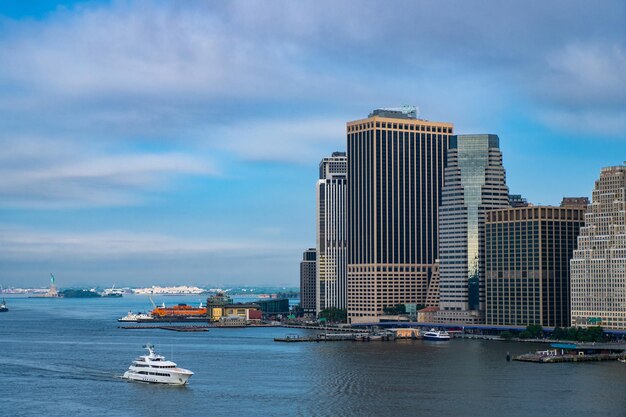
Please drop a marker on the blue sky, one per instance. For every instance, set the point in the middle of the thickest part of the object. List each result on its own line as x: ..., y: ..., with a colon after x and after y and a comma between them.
x: 154, y: 142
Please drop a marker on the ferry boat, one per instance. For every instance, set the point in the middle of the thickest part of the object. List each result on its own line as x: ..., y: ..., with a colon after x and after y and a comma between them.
x: 136, y: 317
x: 112, y: 292
x: 180, y: 310
x: 155, y: 369
x: 433, y: 334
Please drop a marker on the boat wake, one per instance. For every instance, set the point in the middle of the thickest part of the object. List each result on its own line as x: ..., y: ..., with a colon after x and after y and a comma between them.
x: 25, y: 368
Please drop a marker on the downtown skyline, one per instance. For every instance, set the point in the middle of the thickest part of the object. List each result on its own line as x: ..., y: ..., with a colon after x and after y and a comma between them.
x: 151, y: 143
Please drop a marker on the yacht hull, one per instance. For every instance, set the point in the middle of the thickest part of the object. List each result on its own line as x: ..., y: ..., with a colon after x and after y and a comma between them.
x: 173, y: 379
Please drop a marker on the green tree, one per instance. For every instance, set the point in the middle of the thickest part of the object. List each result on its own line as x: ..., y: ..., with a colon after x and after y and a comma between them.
x: 535, y: 330
x: 506, y: 335
x: 334, y: 315
x: 395, y: 310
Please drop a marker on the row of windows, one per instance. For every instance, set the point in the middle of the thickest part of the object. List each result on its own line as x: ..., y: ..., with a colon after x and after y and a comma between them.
x: 402, y: 126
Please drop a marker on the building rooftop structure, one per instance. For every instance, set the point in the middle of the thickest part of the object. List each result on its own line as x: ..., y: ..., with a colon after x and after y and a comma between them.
x: 575, y: 202
x: 404, y: 112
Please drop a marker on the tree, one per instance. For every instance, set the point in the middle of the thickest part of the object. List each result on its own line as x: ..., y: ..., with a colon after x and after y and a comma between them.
x: 334, y: 315
x: 395, y: 310
x: 506, y: 335
x: 577, y: 334
x: 535, y: 330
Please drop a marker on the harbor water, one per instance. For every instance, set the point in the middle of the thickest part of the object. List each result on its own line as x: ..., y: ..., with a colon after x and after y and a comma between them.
x: 64, y: 357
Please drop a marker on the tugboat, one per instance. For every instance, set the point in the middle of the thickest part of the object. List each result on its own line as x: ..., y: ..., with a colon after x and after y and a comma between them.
x: 155, y: 369
x: 433, y: 334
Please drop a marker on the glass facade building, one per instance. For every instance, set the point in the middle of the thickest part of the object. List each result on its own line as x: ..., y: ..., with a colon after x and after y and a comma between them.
x: 527, y: 270
x: 599, y: 262
x: 395, y: 175
x: 474, y: 183
x: 331, y: 189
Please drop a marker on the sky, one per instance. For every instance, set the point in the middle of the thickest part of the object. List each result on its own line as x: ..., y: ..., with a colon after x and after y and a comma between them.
x: 164, y: 142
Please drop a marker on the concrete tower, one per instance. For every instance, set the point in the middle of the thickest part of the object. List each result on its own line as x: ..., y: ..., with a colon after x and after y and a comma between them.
x: 598, y: 267
x: 332, y: 233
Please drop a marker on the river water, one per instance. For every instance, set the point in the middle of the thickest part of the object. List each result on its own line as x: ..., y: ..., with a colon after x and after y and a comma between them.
x: 64, y: 357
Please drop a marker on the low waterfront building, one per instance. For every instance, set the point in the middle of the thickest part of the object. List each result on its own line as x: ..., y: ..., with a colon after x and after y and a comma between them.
x: 427, y: 315
x: 221, y: 307
x: 527, y: 274
x: 274, y: 306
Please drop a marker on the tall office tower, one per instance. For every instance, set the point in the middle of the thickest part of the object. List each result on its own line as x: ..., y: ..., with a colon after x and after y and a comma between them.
x: 308, y: 291
x: 527, y: 268
x: 474, y: 183
x: 332, y: 233
x: 599, y: 263
x: 395, y: 175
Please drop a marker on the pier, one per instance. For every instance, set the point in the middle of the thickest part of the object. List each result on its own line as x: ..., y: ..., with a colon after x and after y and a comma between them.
x: 571, y: 352
x: 172, y: 328
x: 337, y: 337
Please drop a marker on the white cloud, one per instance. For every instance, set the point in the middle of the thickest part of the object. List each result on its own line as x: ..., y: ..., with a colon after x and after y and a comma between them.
x: 299, y: 140
x: 21, y: 244
x: 27, y: 255
x: 45, y: 173
x: 605, y: 123
x: 588, y: 75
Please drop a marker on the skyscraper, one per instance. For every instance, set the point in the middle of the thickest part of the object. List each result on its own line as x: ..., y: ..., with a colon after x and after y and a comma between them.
x: 474, y: 183
x: 308, y: 291
x: 599, y: 263
x: 395, y: 175
x: 527, y: 268
x: 332, y: 233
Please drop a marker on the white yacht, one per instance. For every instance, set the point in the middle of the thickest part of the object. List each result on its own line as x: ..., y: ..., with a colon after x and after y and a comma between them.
x: 433, y: 334
x: 134, y: 317
x: 155, y: 369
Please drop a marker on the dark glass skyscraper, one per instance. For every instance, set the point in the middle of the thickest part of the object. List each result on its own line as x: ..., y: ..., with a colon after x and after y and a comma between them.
x: 308, y: 291
x: 395, y: 174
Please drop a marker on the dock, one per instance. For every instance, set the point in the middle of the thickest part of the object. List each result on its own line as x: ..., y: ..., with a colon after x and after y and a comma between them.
x: 172, y: 328
x: 576, y: 352
x: 336, y: 337
x: 533, y: 357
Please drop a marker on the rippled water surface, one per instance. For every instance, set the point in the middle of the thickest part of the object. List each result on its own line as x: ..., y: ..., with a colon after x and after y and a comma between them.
x: 64, y: 358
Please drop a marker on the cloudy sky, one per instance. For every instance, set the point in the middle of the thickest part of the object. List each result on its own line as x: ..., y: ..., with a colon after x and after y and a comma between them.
x: 161, y: 142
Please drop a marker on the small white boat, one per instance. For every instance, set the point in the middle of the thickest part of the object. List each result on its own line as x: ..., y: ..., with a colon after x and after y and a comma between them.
x: 622, y: 360
x: 433, y: 334
x: 134, y: 317
x: 155, y: 369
